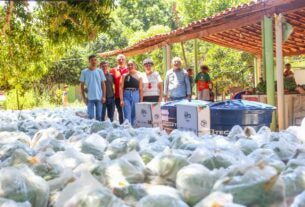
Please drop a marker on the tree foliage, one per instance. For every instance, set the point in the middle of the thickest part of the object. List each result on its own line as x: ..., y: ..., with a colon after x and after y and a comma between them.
x: 49, y: 44
x: 32, y: 40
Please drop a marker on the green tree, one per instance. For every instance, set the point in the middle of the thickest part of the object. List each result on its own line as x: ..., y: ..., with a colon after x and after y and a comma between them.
x: 225, y: 64
x: 32, y: 39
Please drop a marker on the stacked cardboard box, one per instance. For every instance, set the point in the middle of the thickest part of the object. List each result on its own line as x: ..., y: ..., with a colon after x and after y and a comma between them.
x: 194, y: 116
x: 148, y: 114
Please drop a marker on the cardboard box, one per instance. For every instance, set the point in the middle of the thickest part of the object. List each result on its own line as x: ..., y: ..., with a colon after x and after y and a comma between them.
x: 148, y: 114
x: 194, y: 116
x: 169, y: 116
x: 298, y: 109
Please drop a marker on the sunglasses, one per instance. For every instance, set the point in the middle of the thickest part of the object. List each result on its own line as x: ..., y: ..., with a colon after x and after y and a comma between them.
x: 148, y: 64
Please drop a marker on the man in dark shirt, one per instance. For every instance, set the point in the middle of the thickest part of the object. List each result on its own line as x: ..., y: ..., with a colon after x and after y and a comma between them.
x: 109, y: 105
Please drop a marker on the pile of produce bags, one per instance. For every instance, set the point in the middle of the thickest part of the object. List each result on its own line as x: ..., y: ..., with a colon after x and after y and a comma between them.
x: 56, y: 158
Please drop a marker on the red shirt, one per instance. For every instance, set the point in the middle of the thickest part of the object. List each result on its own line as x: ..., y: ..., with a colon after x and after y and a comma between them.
x: 117, y: 74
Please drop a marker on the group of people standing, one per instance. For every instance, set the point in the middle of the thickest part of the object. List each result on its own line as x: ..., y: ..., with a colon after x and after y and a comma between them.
x: 104, y: 89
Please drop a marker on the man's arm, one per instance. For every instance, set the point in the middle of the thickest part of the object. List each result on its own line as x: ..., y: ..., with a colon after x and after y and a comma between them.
x: 166, y: 88
x: 188, y: 87
x: 160, y: 87
x: 141, y: 89
x: 122, y: 90
x: 82, y: 88
x: 104, y: 92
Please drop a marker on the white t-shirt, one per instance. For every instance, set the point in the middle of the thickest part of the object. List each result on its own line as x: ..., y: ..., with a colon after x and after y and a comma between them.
x: 150, y: 84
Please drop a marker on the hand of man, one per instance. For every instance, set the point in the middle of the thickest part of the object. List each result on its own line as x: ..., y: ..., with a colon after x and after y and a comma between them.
x: 189, y: 97
x: 104, y: 100
x: 85, y: 101
x: 122, y: 103
x: 160, y: 99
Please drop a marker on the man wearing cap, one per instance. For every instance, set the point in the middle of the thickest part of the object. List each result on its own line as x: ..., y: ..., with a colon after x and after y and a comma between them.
x: 152, y: 83
x: 177, y: 85
x: 117, y: 74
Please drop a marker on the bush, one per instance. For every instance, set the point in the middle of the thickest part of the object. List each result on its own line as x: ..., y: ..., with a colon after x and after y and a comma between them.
x: 27, y: 100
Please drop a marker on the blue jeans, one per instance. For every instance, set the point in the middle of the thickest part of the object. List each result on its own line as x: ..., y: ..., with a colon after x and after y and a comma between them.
x: 97, y: 105
x: 176, y: 98
x: 130, y: 100
x: 119, y: 109
x: 110, y: 107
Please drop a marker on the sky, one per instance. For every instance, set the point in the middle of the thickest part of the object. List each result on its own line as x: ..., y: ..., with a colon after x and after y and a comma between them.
x: 32, y: 4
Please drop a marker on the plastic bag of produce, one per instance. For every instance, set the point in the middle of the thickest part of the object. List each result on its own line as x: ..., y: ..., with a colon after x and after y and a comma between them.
x: 216, y: 158
x: 119, y: 147
x: 160, y: 201
x: 117, y: 133
x: 283, y: 149
x: 195, y: 182
x: 218, y: 199
x: 246, y: 145
x: 147, y: 155
x: 59, y: 182
x: 164, y: 167
x: 253, y: 185
x: 154, y: 144
x: 298, y: 131
x: 299, y: 201
x: 70, y: 158
x: 249, y: 131
x: 10, y: 203
x: 45, y: 134
x: 267, y: 156
x: 262, y: 136
x: 126, y: 170
x: 284, y: 136
x: 236, y: 133
x: 21, y: 185
x: 9, y: 137
x: 294, y: 163
x: 95, y: 145
x: 48, y: 138
x: 7, y: 149
x: 184, y: 140
x: 8, y: 127
x: 87, y: 192
x: 98, y: 126
x: 19, y: 157
x: 131, y: 194
x: 294, y: 180
x: 28, y: 127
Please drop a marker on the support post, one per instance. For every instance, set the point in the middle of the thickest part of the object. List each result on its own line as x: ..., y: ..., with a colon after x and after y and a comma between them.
x: 263, y: 51
x: 256, y: 78
x: 164, y: 61
x: 196, y: 55
x: 279, y: 69
x: 257, y: 69
x: 195, y: 47
x: 269, y: 64
x: 168, y: 57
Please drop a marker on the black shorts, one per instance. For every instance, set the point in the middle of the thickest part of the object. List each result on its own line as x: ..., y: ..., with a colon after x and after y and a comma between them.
x: 150, y: 98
